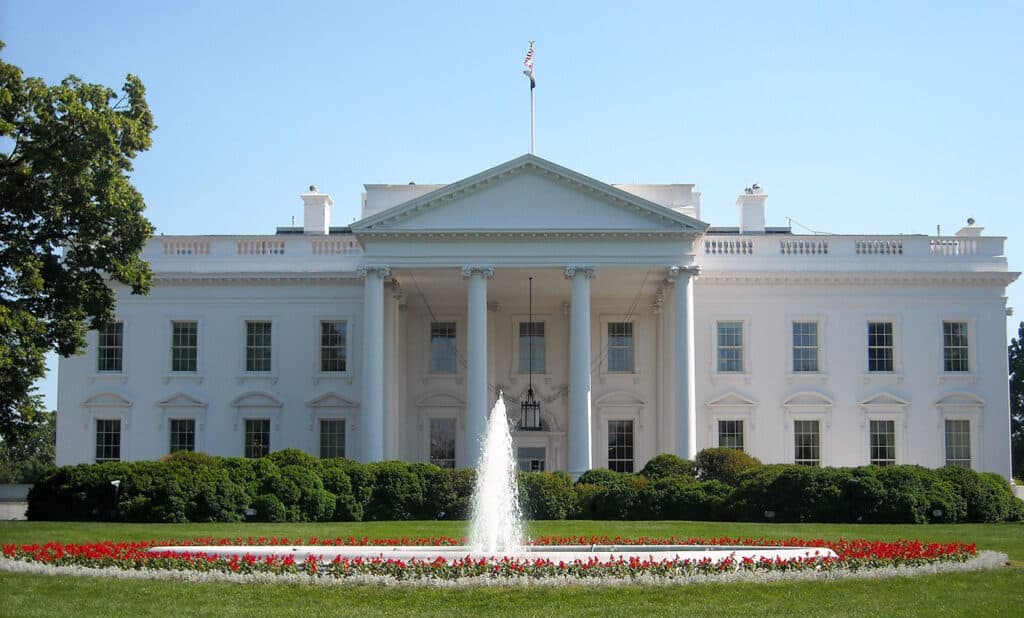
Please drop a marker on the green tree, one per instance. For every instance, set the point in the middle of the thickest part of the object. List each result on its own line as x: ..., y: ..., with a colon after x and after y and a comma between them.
x: 1016, y: 354
x: 29, y: 450
x: 70, y: 220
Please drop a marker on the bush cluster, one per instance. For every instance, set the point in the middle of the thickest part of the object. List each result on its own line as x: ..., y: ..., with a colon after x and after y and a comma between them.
x: 721, y: 484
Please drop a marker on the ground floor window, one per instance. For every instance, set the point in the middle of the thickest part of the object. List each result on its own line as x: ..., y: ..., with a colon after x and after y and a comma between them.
x: 883, y: 443
x: 442, y: 442
x: 108, y: 440
x: 332, y: 438
x: 806, y: 443
x: 257, y: 437
x: 958, y: 443
x: 730, y: 434
x: 531, y: 458
x: 620, y: 446
x: 183, y: 434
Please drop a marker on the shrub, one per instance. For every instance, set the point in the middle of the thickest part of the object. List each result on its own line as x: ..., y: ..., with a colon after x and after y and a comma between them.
x: 682, y: 497
x: 666, y: 464
x: 617, y: 498
x: 269, y: 508
x: 723, y: 464
x: 294, y: 457
x: 397, y: 492
x: 600, y: 476
x: 336, y: 480
x: 543, y: 495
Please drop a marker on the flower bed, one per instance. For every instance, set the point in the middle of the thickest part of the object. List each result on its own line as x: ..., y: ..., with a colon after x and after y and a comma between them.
x: 853, y: 556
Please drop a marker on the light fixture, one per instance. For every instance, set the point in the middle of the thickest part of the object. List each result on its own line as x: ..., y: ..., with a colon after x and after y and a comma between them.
x: 530, y: 420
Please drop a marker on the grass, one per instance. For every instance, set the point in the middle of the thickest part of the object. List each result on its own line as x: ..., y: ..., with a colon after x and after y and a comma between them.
x: 987, y: 593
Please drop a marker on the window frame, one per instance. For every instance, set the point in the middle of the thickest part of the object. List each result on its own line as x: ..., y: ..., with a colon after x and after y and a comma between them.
x: 271, y: 372
x: 456, y: 351
x: 348, y: 347
x: 517, y: 368
x: 430, y: 439
x: 100, y: 347
x: 896, y: 450
x: 793, y: 347
x: 96, y: 439
x: 171, y: 434
x: 744, y: 331
x: 245, y: 437
x: 608, y: 347
x: 603, y: 370
x: 970, y: 356
x: 742, y: 434
x: 172, y: 347
x: 969, y: 445
x: 896, y: 368
x: 344, y: 436
x: 631, y: 462
x: 815, y: 462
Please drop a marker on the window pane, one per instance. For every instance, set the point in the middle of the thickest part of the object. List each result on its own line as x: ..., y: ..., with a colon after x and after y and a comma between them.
x: 883, y: 443
x: 730, y: 347
x: 333, y: 346
x: 442, y: 442
x: 531, y: 337
x: 620, y: 446
x: 806, y: 443
x: 730, y: 434
x: 954, y: 346
x: 110, y: 348
x: 108, y: 440
x: 184, y: 346
x: 257, y: 437
x: 442, y: 347
x: 183, y: 434
x: 958, y: 443
x: 805, y: 346
x: 332, y: 438
x: 620, y: 347
x: 531, y: 459
x: 880, y: 346
x: 257, y: 346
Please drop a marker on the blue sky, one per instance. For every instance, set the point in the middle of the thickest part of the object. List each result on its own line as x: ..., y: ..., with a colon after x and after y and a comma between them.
x: 856, y: 117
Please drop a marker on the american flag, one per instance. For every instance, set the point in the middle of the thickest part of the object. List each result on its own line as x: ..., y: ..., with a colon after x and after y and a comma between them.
x: 528, y: 63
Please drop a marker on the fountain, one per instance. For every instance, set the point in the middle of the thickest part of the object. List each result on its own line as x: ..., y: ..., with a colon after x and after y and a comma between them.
x: 496, y: 529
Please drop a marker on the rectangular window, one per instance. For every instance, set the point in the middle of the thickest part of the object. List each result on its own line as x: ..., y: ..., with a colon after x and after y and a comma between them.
x: 805, y: 347
x: 958, y: 443
x: 333, y: 346
x: 620, y: 347
x: 108, y: 440
x: 110, y: 348
x: 880, y: 346
x: 883, y: 443
x: 954, y: 346
x: 332, y: 438
x: 443, y: 358
x: 531, y: 347
x: 442, y: 442
x: 183, y: 434
x: 620, y: 446
x: 531, y: 458
x: 730, y: 347
x: 257, y: 437
x: 806, y: 443
x: 257, y: 346
x: 730, y: 434
x: 184, y: 346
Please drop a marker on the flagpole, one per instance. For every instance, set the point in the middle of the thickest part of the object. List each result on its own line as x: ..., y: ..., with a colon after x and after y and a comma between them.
x: 533, y: 130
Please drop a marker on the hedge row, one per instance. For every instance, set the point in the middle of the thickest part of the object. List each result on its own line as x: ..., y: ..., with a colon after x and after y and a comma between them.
x: 720, y: 484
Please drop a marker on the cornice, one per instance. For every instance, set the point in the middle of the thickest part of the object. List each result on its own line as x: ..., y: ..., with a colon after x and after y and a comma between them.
x: 969, y: 278
x: 188, y: 278
x: 442, y: 235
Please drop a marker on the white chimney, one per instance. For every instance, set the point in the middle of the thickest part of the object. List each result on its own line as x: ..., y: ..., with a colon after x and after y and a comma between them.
x: 971, y: 229
x: 317, y: 216
x: 751, y: 205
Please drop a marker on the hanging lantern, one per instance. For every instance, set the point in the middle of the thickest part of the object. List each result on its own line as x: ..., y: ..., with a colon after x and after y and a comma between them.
x: 530, y: 419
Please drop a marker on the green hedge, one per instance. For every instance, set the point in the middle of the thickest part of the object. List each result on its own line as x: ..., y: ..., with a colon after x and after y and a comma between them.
x: 291, y: 485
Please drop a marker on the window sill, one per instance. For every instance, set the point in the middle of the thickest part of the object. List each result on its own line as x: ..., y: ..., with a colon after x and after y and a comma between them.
x: 953, y: 377
x: 730, y: 378
x: 184, y: 377
x: 340, y: 376
x: 806, y: 377
x: 257, y: 377
x: 882, y: 377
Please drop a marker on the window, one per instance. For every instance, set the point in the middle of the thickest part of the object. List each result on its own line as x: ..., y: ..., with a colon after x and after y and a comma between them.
x: 880, y: 346
x: 620, y: 348
x: 257, y: 346
x: 442, y: 347
x: 184, y: 346
x: 730, y: 434
x: 257, y: 437
x: 531, y: 458
x: 531, y: 347
x: 332, y: 438
x: 333, y: 346
x: 883, y: 443
x: 620, y: 446
x: 958, y: 443
x: 108, y: 440
x: 730, y: 347
x: 954, y: 346
x: 805, y: 347
x: 806, y: 443
x: 442, y: 442
x: 183, y: 434
x: 110, y: 348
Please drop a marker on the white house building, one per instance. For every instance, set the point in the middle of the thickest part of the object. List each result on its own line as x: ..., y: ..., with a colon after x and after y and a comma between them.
x: 650, y: 332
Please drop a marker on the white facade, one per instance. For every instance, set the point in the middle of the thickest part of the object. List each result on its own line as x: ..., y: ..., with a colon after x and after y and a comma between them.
x: 659, y: 334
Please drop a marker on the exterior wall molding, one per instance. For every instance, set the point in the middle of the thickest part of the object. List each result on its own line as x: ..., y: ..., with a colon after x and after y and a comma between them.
x: 487, y: 272
x: 584, y: 271
x: 978, y: 279
x: 382, y: 270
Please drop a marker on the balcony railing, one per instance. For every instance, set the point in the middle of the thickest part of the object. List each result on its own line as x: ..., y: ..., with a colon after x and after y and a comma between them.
x: 214, y: 247
x: 865, y: 247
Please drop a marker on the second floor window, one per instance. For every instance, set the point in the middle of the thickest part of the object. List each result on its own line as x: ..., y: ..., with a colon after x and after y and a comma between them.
x: 730, y: 347
x: 805, y: 347
x: 442, y: 347
x: 257, y: 346
x: 954, y: 347
x: 184, y: 346
x: 531, y: 347
x: 880, y: 347
x: 110, y: 347
x: 333, y: 346
x: 620, y: 347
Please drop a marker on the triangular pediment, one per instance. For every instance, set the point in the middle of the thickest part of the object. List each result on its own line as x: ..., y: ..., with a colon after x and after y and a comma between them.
x: 528, y: 195
x: 619, y: 398
x: 961, y: 399
x: 107, y: 400
x: 807, y: 399
x: 181, y: 400
x: 440, y: 400
x: 256, y: 400
x: 884, y: 400
x: 332, y: 400
x: 731, y: 400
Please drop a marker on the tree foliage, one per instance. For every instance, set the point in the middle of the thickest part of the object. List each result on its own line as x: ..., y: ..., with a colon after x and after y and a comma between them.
x: 1016, y: 361
x: 70, y: 220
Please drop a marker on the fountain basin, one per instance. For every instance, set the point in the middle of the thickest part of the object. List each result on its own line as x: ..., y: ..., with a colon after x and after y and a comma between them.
x: 552, y: 553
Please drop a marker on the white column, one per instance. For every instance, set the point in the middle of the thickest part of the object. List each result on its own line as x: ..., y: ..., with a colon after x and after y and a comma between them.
x: 372, y: 407
x: 683, y: 351
x: 477, y: 405
x: 579, y: 371
x: 392, y: 296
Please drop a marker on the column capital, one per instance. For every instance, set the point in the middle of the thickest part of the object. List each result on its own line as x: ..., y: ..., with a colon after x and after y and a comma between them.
x: 383, y: 270
x: 585, y: 271
x: 487, y: 272
x: 675, y: 272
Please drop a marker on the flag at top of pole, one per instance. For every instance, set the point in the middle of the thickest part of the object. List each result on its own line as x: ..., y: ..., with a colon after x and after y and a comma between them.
x: 528, y: 63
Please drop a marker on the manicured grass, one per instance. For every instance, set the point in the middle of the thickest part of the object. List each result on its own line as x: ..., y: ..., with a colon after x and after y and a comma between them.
x: 987, y: 593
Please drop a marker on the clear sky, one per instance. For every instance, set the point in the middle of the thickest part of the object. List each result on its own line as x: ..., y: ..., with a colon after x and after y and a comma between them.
x: 856, y: 117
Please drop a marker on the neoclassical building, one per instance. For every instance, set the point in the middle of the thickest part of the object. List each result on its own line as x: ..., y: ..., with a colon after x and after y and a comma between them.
x: 636, y: 327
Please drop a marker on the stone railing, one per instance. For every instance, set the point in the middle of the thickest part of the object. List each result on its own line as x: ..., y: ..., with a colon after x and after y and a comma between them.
x: 186, y: 246
x: 867, y: 247
x: 260, y: 247
x: 249, y: 247
x: 327, y: 246
x: 719, y: 246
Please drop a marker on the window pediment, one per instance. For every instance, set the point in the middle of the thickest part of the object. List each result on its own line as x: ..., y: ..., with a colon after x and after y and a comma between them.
x: 807, y: 400
x: 884, y: 401
x: 257, y: 400
x: 107, y: 400
x: 332, y: 400
x: 961, y: 400
x: 730, y: 400
x: 440, y: 400
x: 181, y: 400
x: 619, y: 399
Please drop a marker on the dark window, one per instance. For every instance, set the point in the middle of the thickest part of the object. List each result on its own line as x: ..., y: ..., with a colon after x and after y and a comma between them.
x: 442, y: 442
x: 442, y: 347
x: 954, y: 346
x: 257, y: 437
x: 958, y: 443
x: 531, y: 339
x: 531, y: 458
x: 333, y: 346
x: 880, y: 346
x: 730, y: 434
x: 883, y: 443
x: 805, y: 346
x: 620, y: 347
x: 110, y: 348
x: 620, y: 446
x: 108, y: 440
x: 730, y: 347
x: 257, y: 346
x: 184, y: 346
x: 183, y: 434
x: 332, y: 438
x: 807, y: 443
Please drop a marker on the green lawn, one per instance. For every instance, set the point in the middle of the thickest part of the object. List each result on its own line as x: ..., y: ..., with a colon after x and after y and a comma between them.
x: 987, y: 593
